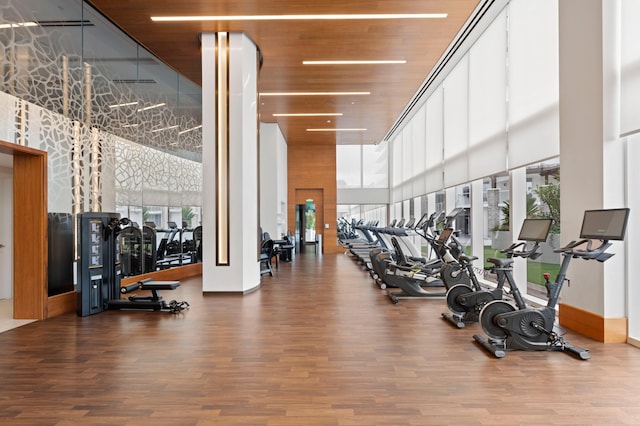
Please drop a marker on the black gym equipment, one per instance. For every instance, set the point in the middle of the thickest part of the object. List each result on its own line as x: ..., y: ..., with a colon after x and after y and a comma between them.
x: 466, y: 301
x: 412, y: 278
x: 532, y: 329
x: 424, y: 268
x: 456, y: 270
x: 153, y: 302
x: 100, y: 270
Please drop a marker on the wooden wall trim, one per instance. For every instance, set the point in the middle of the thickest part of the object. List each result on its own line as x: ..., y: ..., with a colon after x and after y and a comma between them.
x: 61, y: 304
x: 597, y: 327
x: 171, y: 274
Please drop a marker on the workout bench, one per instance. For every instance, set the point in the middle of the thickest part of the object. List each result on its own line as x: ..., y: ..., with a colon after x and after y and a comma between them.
x: 153, y: 302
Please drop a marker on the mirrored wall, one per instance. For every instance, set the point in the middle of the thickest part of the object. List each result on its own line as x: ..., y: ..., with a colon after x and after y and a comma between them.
x: 122, y: 129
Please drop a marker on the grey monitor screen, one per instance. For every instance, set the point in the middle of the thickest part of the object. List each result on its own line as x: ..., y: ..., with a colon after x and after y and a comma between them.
x: 535, y: 230
x: 610, y: 224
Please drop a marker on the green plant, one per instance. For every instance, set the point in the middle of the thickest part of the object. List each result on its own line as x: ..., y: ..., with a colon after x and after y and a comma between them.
x: 310, y: 219
x: 549, y: 194
x: 146, y: 217
x: 188, y: 215
x: 533, y: 211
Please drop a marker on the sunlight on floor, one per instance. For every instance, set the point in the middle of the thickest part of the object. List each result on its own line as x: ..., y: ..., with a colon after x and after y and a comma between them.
x: 6, y: 316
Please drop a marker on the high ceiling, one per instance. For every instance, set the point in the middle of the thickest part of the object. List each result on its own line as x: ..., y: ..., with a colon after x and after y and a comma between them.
x: 285, y: 44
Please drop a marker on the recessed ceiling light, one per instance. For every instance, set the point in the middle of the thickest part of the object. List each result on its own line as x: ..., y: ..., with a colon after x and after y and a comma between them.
x: 380, y: 62
x: 336, y: 130
x: 310, y: 114
x: 313, y: 93
x: 301, y: 17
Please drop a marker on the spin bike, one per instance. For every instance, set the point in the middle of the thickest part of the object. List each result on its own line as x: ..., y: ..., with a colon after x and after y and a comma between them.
x: 532, y: 329
x: 465, y: 301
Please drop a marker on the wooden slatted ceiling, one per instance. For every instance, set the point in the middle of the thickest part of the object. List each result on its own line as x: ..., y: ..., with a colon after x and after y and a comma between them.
x: 285, y: 45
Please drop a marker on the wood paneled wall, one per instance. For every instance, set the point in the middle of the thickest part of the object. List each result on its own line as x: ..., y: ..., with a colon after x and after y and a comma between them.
x: 312, y: 170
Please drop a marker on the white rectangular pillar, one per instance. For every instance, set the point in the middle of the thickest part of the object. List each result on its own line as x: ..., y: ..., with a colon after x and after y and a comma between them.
x: 230, y: 163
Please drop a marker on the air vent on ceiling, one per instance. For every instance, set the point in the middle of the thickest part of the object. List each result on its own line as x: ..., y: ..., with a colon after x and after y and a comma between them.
x: 133, y: 81
x: 71, y: 23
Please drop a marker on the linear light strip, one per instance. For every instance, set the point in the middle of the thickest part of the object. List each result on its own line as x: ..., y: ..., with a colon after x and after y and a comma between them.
x: 309, y: 114
x: 380, y: 62
x: 222, y: 149
x: 182, y: 132
x: 123, y: 105
x: 336, y: 130
x: 151, y: 107
x: 18, y: 25
x: 300, y: 17
x: 314, y: 93
x: 165, y: 128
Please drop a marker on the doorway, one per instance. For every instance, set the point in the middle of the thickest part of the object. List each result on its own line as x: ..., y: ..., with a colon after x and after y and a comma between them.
x: 306, y: 226
x: 306, y: 201
x: 7, y: 321
x: 6, y: 235
x: 27, y: 189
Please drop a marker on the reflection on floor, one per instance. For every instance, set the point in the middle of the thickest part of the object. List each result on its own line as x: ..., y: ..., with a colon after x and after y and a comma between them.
x: 6, y: 316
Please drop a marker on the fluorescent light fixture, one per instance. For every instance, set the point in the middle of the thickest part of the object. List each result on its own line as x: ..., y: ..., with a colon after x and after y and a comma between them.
x: 310, y: 114
x: 381, y: 62
x: 165, y: 128
x: 336, y: 130
x: 18, y: 25
x: 313, y: 93
x: 151, y: 107
x: 301, y: 17
x: 123, y: 105
x: 130, y: 125
x: 190, y: 130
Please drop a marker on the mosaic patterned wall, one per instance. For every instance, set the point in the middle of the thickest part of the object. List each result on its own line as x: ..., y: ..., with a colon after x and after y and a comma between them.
x: 55, y: 98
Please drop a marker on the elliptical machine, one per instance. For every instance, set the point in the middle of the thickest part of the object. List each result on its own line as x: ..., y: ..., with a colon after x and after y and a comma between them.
x: 466, y: 301
x: 532, y: 329
x: 458, y: 269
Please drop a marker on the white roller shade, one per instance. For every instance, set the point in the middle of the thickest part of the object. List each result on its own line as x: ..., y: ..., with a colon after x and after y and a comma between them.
x: 434, y: 133
x: 488, y: 101
x: 630, y: 67
x: 456, y: 124
x: 533, y: 77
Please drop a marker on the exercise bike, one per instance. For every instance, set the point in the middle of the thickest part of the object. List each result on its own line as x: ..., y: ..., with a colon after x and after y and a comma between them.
x: 466, y: 301
x: 520, y: 327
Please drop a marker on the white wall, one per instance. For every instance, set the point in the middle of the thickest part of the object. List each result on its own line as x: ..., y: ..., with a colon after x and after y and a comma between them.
x: 6, y: 227
x: 273, y: 180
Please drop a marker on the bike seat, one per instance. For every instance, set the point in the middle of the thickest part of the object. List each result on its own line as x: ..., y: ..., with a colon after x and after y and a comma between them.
x: 500, y: 262
x: 463, y: 258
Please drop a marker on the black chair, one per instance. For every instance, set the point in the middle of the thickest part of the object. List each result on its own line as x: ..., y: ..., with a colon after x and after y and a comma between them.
x: 286, y: 249
x: 266, y: 253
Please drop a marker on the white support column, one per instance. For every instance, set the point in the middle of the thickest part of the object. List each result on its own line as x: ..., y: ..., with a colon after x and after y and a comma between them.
x: 592, y: 155
x: 273, y: 180
x: 517, y: 215
x: 449, y: 199
x: 477, y: 222
x: 230, y: 163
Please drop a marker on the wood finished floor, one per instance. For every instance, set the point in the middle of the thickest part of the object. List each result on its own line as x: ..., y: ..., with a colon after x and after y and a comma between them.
x: 318, y: 344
